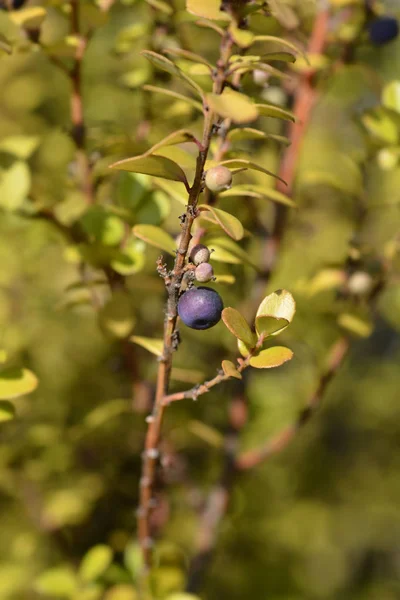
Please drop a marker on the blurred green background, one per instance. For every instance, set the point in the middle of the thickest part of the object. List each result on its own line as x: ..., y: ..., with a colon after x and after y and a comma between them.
x: 321, y: 520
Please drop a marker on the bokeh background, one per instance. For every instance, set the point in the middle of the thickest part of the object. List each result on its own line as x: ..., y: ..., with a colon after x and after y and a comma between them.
x: 320, y: 520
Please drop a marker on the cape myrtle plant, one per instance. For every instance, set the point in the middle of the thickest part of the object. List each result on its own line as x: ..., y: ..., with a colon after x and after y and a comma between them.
x: 227, y: 111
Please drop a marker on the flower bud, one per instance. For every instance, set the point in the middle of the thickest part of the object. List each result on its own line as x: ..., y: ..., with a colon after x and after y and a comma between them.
x: 199, y: 254
x: 204, y: 272
x: 218, y: 179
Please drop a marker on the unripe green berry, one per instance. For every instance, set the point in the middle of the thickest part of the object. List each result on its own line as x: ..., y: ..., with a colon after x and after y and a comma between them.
x: 204, y: 272
x: 218, y: 179
x: 199, y: 254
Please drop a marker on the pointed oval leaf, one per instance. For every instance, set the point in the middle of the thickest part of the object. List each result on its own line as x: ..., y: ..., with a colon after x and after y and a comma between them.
x: 163, y: 63
x: 176, y: 95
x: 391, y: 96
x: 226, y: 250
x: 238, y: 325
x: 209, y: 9
x: 230, y: 370
x: 17, y: 382
x: 59, y: 582
x: 155, y: 236
x: 281, y: 42
x: 152, y: 345
x: 230, y: 224
x: 177, y: 137
x: 275, y: 313
x: 247, y: 66
x: 192, y: 56
x: 30, y: 17
x: 95, y: 562
x: 7, y: 411
x: 157, y: 166
x: 258, y: 191
x: 233, y: 105
x: 271, y: 357
x: 242, y: 37
x: 241, y: 163
x: 269, y: 110
x: 281, y: 56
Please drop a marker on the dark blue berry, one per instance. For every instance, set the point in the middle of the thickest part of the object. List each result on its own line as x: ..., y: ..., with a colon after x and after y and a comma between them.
x: 383, y: 30
x: 200, y: 308
x: 15, y: 3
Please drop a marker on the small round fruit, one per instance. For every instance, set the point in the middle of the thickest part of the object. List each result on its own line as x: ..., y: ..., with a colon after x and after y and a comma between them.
x: 204, y: 272
x: 200, y: 308
x: 383, y: 30
x: 199, y: 254
x: 218, y: 179
x: 360, y: 283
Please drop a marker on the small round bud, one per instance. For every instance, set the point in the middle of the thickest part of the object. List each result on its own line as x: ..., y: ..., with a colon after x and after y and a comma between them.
x: 218, y: 179
x: 260, y: 77
x: 204, y: 272
x: 199, y: 254
x: 360, y: 283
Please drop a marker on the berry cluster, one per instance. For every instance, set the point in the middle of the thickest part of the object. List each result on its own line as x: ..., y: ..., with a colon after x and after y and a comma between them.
x: 200, y: 307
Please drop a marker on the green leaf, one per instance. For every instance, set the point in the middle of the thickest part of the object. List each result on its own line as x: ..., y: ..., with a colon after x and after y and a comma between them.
x: 391, y: 96
x: 177, y: 137
x: 242, y: 163
x: 5, y: 45
x: 15, y: 184
x: 60, y: 582
x: 161, y: 6
x: 21, y: 146
x: 275, y: 313
x: 31, y: 17
x: 281, y: 42
x: 382, y: 126
x: 271, y: 357
x: 174, y: 190
x: 226, y: 250
x: 155, y: 236
x: 157, y: 166
x: 130, y: 259
x: 192, y: 56
x: 208, y: 434
x: 7, y: 411
x: 176, y: 95
x: 230, y: 224
x: 246, y: 133
x: 269, y: 110
x: 165, y: 64
x: 152, y: 345
x: 258, y: 191
x: 117, y: 317
x: 133, y: 559
x: 16, y: 382
x: 233, y: 105
x: 95, y: 562
x: 247, y: 66
x: 230, y: 370
x: 104, y: 413
x: 209, y: 9
x: 355, y: 324
x: 242, y: 37
x: 238, y: 325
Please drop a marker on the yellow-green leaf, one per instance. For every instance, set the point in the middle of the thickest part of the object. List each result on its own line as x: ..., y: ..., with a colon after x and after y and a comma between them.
x: 209, y: 9
x: 17, y: 382
x: 60, y: 582
x: 230, y: 224
x: 258, y: 191
x: 242, y: 163
x: 30, y: 17
x: 242, y: 37
x: 95, y: 562
x: 152, y: 345
x: 238, y: 325
x: 177, y: 137
x: 230, y: 370
x: 269, y: 110
x: 209, y: 434
x: 355, y: 324
x: 226, y: 250
x: 155, y: 236
x: 21, y: 146
x: 192, y: 56
x: 14, y: 186
x: 7, y: 411
x: 161, y: 6
x: 117, y: 317
x: 5, y: 46
x: 157, y: 166
x: 275, y: 313
x: 391, y: 96
x: 163, y: 63
x: 280, y: 42
x: 176, y: 95
x: 233, y: 105
x: 271, y: 357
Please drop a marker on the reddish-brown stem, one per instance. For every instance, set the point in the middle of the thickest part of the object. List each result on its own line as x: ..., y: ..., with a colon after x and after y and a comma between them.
x: 151, y: 452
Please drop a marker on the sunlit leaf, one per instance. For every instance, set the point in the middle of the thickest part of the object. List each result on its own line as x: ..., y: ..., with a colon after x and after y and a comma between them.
x: 117, y: 316
x: 192, y: 56
x: 7, y: 411
x: 30, y: 17
x: 226, y: 250
x: 60, y: 582
x: 275, y: 313
x: 233, y: 105
x: 242, y: 163
x: 281, y: 42
x: 162, y: 6
x: 95, y: 562
x: 258, y: 191
x: 5, y: 45
x: 210, y: 9
x: 238, y: 325
x: 242, y: 37
x: 155, y: 236
x: 268, y: 110
x: 177, y: 137
x: 248, y: 133
x: 152, y: 345
x: 21, y: 146
x: 15, y: 184
x: 16, y: 382
x: 356, y: 324
x: 391, y: 96
x: 271, y: 357
x: 163, y: 63
x: 230, y: 224
x: 157, y: 166
x: 230, y: 370
x: 130, y: 258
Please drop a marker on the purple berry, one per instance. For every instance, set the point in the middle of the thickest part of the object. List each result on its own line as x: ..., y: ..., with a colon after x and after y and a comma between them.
x: 383, y: 30
x: 204, y: 272
x: 200, y: 308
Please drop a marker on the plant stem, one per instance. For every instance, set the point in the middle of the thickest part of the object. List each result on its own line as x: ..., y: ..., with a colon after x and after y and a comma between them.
x: 151, y: 453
